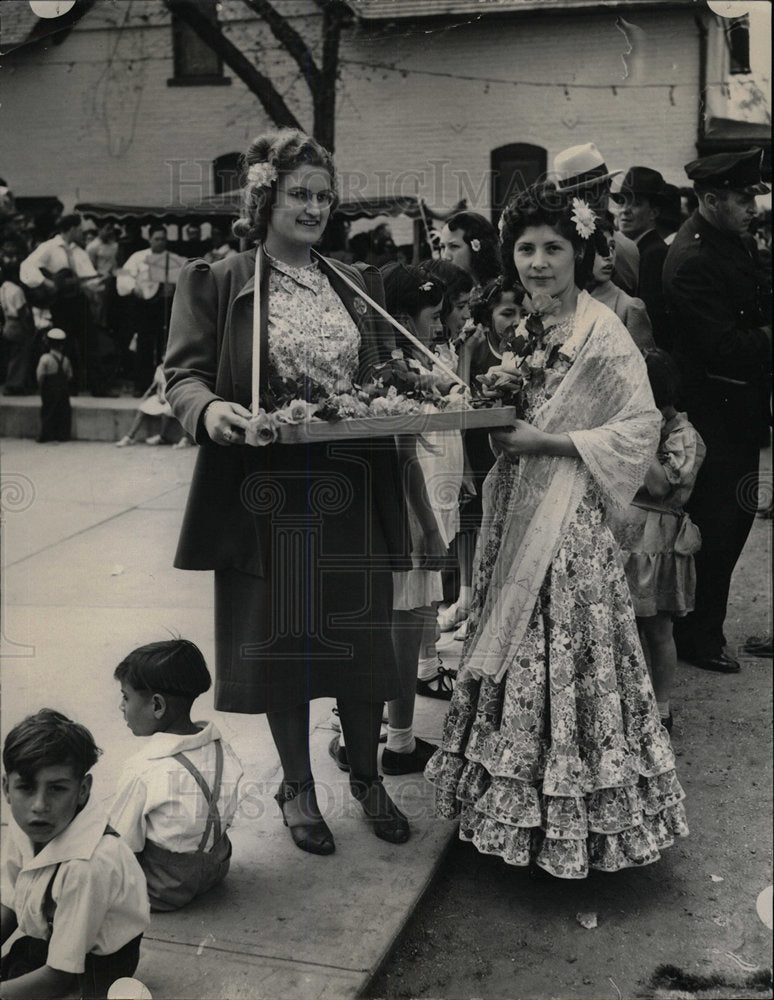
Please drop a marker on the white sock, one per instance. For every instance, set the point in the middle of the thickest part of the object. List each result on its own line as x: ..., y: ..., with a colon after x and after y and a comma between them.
x: 663, y: 708
x: 427, y: 667
x: 400, y: 740
x: 463, y: 601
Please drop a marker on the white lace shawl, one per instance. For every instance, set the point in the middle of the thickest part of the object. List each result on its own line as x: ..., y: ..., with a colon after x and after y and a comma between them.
x: 606, y: 406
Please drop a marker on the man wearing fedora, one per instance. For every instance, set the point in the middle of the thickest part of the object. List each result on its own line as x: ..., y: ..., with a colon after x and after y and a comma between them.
x: 582, y: 170
x: 640, y: 200
x: 715, y: 294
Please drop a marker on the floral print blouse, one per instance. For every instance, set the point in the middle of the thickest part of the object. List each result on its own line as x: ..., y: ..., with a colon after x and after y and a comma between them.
x: 311, y: 333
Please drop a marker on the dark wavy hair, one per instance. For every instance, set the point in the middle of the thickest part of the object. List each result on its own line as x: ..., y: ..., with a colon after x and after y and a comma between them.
x: 285, y: 150
x: 546, y: 205
x: 409, y: 289
x: 47, y: 739
x: 485, y: 262
x: 456, y: 281
x: 481, y: 310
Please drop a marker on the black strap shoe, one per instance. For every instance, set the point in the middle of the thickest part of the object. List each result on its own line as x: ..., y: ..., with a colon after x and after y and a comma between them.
x: 301, y: 815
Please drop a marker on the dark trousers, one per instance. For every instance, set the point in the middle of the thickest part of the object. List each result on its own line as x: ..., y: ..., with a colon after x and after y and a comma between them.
x: 723, y: 505
x: 28, y: 954
x: 151, y: 328
x: 74, y: 316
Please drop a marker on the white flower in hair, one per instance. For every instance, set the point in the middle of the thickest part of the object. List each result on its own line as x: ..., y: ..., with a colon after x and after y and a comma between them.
x: 475, y: 245
x: 427, y: 287
x: 262, y: 174
x: 584, y: 218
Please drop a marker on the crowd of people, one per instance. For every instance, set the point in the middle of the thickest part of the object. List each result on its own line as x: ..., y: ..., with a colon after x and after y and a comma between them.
x: 107, y: 289
x: 594, y: 539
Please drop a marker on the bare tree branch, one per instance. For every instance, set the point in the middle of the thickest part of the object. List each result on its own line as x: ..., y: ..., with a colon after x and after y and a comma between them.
x: 289, y: 38
x: 211, y: 33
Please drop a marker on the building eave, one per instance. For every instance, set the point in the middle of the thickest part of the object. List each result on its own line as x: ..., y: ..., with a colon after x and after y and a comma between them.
x: 396, y: 10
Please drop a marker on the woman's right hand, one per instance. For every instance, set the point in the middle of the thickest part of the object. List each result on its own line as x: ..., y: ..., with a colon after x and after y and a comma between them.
x: 226, y: 423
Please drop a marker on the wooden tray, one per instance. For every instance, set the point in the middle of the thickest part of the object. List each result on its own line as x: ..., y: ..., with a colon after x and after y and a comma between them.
x: 405, y: 423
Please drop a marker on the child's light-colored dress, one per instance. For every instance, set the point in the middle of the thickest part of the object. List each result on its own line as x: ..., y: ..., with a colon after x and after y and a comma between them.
x: 441, y: 457
x: 657, y: 538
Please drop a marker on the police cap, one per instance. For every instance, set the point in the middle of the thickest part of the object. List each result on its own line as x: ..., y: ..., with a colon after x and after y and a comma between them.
x: 734, y: 171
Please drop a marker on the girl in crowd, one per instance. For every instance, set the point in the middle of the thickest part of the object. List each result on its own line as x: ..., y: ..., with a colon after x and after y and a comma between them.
x: 257, y: 515
x: 471, y: 242
x: 553, y: 749
x: 433, y: 464
x: 630, y: 311
x: 498, y: 308
x: 658, y: 538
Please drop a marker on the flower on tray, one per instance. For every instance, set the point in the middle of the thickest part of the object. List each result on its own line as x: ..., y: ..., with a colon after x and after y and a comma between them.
x: 296, y: 411
x: 261, y: 429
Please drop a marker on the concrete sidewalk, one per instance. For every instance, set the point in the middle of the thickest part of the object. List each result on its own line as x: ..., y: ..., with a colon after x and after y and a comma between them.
x: 88, y: 538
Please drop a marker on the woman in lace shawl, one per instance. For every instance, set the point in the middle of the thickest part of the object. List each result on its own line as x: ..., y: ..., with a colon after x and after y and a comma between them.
x: 553, y: 750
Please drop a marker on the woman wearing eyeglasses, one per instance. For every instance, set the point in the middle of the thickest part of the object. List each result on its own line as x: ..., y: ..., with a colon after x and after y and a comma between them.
x: 302, y: 538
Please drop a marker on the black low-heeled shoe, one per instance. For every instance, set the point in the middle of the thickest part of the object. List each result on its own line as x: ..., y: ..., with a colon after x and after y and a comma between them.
x: 311, y: 835
x: 388, y: 821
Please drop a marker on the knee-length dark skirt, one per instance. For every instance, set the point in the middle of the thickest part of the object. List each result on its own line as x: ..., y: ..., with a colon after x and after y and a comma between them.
x: 317, y: 623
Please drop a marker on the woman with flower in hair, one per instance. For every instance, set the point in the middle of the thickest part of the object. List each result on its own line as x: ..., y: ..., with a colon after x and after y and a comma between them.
x: 553, y: 750
x: 302, y: 538
x: 470, y: 241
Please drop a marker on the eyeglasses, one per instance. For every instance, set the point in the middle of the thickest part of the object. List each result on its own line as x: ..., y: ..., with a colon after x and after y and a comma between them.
x: 303, y: 196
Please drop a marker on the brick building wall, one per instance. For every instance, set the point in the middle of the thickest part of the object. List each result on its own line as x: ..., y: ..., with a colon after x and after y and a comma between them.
x: 93, y: 118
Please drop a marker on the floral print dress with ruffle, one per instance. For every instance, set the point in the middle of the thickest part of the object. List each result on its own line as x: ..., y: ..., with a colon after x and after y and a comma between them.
x: 564, y: 762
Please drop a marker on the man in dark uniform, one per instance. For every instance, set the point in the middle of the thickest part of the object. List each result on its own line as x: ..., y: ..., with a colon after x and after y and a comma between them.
x: 714, y: 293
x: 640, y: 198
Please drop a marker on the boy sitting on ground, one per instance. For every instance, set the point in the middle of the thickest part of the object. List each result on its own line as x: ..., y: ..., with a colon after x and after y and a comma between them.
x: 69, y: 882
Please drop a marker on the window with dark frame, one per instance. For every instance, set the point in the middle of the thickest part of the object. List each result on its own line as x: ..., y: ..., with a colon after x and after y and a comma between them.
x: 195, y: 63
x: 738, y: 41
x: 514, y: 168
x: 226, y: 173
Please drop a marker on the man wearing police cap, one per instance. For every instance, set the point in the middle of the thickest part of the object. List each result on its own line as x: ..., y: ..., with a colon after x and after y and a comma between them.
x: 714, y: 291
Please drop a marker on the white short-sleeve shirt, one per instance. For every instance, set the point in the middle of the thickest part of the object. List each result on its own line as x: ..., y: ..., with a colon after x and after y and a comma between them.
x: 99, y: 890
x: 159, y: 800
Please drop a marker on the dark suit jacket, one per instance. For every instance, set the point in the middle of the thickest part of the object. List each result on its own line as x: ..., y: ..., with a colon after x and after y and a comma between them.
x: 653, y: 251
x: 209, y: 357
x: 715, y: 296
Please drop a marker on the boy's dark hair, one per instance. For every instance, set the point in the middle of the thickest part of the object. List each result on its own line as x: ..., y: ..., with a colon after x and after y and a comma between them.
x: 47, y: 739
x: 664, y: 377
x: 173, y: 667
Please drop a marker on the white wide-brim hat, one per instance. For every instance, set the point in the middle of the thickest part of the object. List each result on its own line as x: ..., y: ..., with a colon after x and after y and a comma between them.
x: 581, y: 166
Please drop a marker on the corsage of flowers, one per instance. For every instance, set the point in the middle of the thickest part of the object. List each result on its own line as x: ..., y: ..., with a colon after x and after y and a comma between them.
x: 475, y: 245
x: 584, y: 218
x: 262, y: 174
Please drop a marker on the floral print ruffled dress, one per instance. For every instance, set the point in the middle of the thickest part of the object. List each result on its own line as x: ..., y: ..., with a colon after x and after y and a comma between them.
x: 564, y: 761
